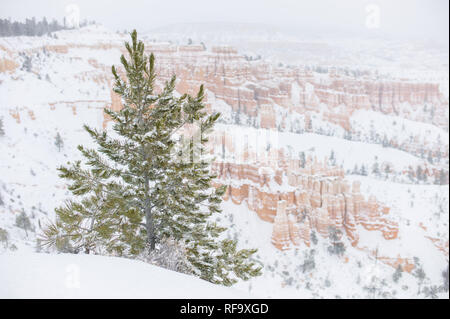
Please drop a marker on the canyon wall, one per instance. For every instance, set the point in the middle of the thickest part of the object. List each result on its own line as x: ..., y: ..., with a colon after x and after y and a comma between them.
x: 315, y: 198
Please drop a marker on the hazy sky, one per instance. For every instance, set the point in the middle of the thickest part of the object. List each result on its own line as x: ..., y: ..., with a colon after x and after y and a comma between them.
x: 405, y: 18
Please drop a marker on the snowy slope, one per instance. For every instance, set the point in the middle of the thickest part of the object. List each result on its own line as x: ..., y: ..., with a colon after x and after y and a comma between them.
x: 354, y: 275
x: 90, y: 276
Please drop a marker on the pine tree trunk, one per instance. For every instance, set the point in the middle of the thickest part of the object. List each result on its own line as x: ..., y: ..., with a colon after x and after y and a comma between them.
x: 150, y: 227
x: 149, y: 218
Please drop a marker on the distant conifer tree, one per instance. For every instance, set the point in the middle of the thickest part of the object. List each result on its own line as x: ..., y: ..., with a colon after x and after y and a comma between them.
x: 2, y: 130
x: 22, y: 221
x: 337, y: 247
x: 445, y: 278
x: 397, y: 274
x: 59, y: 143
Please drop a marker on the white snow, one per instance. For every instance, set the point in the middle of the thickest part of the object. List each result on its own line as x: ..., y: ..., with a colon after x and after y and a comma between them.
x: 89, y: 276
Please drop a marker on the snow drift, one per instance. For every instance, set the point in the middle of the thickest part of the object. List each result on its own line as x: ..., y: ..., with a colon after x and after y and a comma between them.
x: 88, y: 276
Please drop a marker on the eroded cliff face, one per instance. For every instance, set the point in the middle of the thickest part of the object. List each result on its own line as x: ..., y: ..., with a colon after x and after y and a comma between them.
x: 309, y: 201
x: 264, y: 95
x: 256, y: 88
x: 301, y: 200
x: 295, y: 99
x: 7, y: 65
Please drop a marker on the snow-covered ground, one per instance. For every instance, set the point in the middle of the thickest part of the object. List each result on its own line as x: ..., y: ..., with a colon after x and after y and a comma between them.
x: 30, y: 275
x: 311, y: 272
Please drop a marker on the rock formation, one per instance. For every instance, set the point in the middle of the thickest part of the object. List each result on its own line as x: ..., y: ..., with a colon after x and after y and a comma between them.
x: 318, y: 197
x: 281, y: 230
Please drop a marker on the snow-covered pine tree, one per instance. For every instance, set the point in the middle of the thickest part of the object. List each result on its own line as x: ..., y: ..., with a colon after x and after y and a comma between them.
x: 22, y: 221
x: 445, y: 279
x: 59, y: 143
x: 332, y: 159
x: 4, y: 237
x: 375, y: 169
x: 337, y: 246
x: 398, y: 273
x: 363, y: 171
x: 2, y: 131
x: 135, y: 191
x: 302, y: 159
